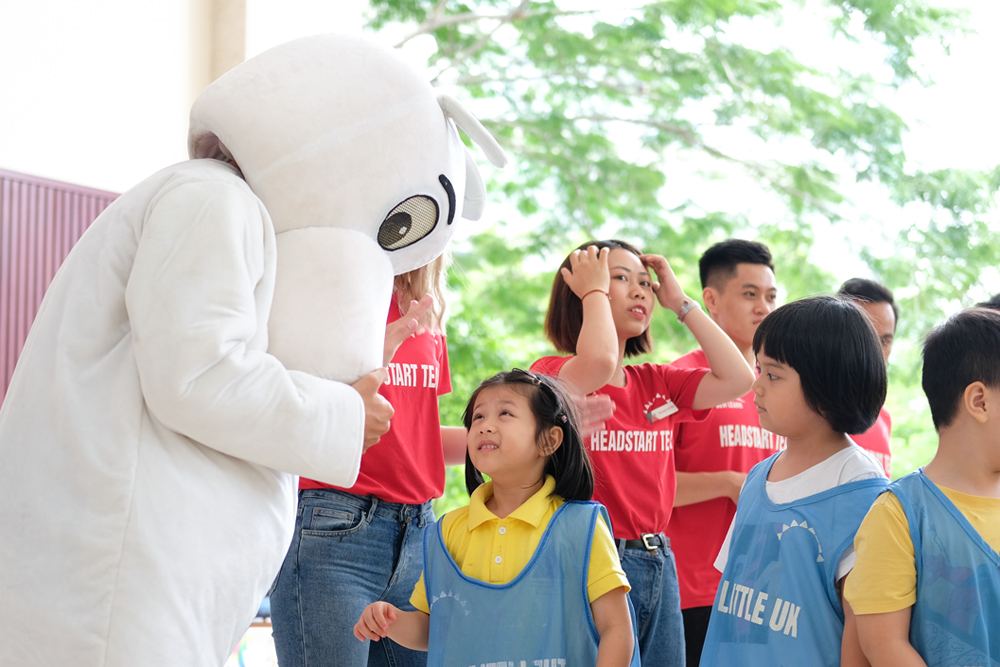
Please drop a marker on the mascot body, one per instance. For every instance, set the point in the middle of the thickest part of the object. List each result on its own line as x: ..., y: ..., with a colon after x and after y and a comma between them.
x: 193, y: 354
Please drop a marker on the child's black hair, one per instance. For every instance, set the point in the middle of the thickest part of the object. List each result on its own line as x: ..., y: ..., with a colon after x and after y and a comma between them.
x: 835, y: 350
x: 551, y: 406
x: 962, y: 350
x: 992, y: 302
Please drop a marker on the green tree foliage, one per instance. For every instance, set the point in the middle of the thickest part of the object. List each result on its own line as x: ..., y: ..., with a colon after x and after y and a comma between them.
x: 652, y: 122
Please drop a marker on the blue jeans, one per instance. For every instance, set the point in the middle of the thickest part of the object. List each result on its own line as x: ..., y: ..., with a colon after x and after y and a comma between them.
x: 656, y: 597
x: 347, y: 552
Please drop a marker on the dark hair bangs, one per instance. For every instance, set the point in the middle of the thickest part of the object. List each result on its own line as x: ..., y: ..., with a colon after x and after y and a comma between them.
x: 835, y: 350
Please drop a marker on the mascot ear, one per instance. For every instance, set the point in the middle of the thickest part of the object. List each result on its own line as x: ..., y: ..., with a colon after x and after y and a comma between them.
x: 475, y: 189
x: 472, y: 127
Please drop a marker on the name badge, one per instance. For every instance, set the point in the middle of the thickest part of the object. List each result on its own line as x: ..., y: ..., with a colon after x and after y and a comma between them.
x: 664, y: 410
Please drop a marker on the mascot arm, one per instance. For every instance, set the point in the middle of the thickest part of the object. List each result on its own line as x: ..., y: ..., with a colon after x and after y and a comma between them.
x: 195, y: 298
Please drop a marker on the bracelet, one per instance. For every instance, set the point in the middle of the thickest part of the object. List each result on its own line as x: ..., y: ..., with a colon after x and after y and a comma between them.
x: 685, y: 309
x: 595, y: 290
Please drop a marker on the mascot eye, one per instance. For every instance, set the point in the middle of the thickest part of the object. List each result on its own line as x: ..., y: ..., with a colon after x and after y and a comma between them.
x: 407, y: 223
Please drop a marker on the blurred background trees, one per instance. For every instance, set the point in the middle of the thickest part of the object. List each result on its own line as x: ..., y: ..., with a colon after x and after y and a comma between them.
x: 679, y: 123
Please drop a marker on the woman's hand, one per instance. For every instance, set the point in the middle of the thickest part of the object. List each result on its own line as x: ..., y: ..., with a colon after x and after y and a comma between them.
x: 596, y: 355
x: 667, y: 289
x: 406, y: 326
x: 588, y: 271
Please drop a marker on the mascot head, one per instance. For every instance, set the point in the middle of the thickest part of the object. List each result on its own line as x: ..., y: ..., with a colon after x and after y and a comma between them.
x: 360, y: 167
x: 335, y: 131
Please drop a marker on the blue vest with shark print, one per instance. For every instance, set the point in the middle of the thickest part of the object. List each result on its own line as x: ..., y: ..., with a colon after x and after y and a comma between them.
x: 777, y: 602
x: 540, y: 619
x: 956, y: 619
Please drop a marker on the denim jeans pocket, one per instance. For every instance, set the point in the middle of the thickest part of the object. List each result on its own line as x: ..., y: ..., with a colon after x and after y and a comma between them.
x: 328, y: 522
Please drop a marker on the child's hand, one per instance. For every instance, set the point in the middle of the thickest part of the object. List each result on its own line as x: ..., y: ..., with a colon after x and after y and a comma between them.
x: 375, y: 621
x: 588, y: 271
x: 668, y: 290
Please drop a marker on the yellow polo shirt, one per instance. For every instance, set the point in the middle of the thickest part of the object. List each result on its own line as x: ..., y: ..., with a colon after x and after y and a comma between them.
x: 884, y: 578
x: 495, y: 550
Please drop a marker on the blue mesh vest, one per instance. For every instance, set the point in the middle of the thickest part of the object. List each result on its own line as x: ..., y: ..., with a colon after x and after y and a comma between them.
x: 958, y: 580
x: 777, y: 603
x: 540, y: 619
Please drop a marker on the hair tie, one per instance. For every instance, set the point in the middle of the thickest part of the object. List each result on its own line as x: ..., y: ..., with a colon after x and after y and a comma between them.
x: 563, y: 418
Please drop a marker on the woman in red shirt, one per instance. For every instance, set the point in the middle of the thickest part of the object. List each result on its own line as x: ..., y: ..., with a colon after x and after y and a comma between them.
x: 364, y: 543
x: 600, y: 309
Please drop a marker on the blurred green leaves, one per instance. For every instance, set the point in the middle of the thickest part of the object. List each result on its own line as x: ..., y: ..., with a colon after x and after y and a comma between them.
x: 635, y: 122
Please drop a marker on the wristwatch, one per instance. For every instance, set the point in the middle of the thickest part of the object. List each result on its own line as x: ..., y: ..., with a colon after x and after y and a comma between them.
x: 685, y: 309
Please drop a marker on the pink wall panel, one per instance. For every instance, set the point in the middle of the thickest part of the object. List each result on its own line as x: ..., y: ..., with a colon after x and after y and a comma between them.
x: 40, y: 220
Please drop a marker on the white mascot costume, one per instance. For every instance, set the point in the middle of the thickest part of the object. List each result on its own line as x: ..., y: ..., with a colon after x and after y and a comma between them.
x: 195, y: 352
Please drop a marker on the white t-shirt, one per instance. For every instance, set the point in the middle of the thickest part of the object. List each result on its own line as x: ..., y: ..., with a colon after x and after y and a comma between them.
x: 848, y: 465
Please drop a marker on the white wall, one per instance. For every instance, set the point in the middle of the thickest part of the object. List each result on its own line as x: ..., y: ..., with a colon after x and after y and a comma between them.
x: 97, y: 93
x: 273, y: 22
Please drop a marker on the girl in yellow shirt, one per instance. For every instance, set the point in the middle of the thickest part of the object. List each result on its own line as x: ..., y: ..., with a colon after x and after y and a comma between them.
x: 505, y: 574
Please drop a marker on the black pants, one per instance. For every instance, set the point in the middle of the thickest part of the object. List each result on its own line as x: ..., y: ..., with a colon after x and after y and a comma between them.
x: 695, y: 627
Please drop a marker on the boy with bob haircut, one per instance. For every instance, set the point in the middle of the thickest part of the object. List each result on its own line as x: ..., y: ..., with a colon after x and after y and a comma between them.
x: 926, y: 584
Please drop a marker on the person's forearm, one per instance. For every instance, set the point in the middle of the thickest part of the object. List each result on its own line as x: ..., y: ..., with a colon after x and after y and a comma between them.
x: 596, y: 358
x: 885, y: 639
x: 614, y: 627
x: 697, y: 487
x: 851, y: 654
x: 411, y: 629
x: 893, y: 653
x: 453, y: 442
x: 598, y: 337
x: 729, y: 376
x: 615, y: 650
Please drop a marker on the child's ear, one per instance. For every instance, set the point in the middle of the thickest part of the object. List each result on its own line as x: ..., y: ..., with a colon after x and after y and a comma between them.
x: 553, y: 439
x: 980, y: 403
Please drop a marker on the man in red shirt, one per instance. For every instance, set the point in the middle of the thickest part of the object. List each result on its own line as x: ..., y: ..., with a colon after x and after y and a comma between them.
x: 877, y: 301
x: 713, y: 456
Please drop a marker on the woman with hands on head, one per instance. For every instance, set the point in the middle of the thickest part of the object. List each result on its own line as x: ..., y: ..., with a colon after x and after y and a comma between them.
x: 600, y: 309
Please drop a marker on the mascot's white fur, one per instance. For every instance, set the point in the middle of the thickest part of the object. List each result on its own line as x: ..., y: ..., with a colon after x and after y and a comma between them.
x: 196, y: 348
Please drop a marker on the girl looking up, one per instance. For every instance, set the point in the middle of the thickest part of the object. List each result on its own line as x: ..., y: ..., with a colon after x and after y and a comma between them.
x: 601, y: 306
x: 822, y: 377
x: 527, y: 571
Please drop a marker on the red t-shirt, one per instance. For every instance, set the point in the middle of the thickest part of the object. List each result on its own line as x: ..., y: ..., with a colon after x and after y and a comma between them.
x: 729, y: 439
x: 876, y: 440
x: 633, y: 456
x: 407, y: 464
